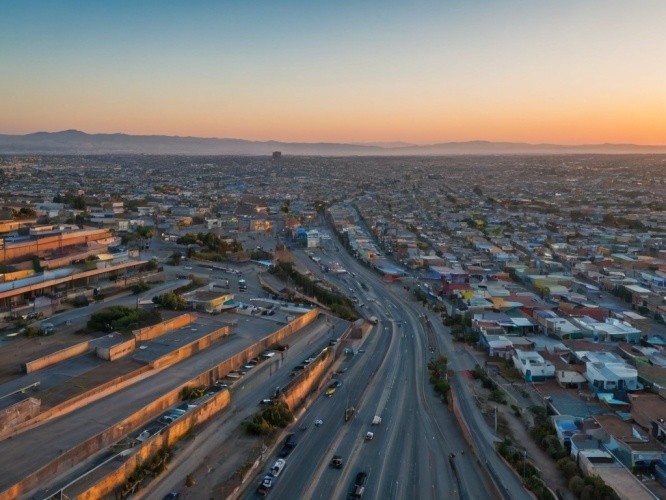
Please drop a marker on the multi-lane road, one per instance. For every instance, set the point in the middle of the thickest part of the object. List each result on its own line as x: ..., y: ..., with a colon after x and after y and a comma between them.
x: 418, y: 449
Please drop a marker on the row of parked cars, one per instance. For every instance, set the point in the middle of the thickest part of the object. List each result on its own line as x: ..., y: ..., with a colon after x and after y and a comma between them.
x: 298, y: 368
x: 173, y: 414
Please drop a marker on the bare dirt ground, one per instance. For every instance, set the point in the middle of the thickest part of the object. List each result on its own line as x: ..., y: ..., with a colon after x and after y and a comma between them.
x: 515, y: 428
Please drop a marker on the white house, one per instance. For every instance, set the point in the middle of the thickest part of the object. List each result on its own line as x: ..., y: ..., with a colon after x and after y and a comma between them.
x: 606, y: 371
x: 613, y: 330
x: 532, y: 365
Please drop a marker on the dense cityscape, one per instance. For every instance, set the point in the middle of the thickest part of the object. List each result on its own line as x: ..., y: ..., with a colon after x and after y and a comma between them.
x: 332, y: 327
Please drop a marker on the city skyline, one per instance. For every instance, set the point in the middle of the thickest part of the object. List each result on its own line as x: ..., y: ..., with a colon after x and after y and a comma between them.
x: 535, y: 72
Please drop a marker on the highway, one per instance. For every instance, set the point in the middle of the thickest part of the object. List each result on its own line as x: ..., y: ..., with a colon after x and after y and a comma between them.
x: 245, y: 395
x: 409, y: 454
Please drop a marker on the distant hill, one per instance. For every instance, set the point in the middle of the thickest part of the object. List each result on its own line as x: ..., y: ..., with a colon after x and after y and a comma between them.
x: 79, y: 143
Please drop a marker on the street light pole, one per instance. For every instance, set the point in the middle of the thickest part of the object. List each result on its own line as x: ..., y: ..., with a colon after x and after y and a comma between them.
x: 524, y: 462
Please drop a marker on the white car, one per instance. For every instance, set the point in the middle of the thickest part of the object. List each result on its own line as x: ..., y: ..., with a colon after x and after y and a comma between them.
x: 318, y: 422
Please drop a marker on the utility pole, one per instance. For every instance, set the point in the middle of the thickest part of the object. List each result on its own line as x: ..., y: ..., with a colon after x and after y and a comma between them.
x: 496, y: 420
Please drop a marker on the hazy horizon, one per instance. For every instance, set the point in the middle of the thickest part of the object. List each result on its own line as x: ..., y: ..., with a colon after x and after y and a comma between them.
x: 570, y: 72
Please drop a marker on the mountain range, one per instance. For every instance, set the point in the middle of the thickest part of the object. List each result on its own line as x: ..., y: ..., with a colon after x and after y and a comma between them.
x: 74, y: 142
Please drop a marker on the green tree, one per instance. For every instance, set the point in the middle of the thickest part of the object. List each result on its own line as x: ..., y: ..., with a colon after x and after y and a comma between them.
x: 170, y: 300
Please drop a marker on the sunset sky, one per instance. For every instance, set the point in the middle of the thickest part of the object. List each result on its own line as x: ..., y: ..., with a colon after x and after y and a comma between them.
x: 557, y: 71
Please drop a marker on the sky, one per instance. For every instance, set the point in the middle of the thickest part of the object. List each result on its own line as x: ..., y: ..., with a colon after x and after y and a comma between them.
x: 420, y: 71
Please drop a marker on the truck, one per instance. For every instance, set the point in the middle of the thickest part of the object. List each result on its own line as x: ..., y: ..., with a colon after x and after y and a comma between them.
x: 242, y: 286
x: 373, y: 320
x: 377, y: 420
x: 269, y: 479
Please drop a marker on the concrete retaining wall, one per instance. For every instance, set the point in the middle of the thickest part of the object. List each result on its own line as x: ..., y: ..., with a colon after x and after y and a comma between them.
x: 81, y: 400
x: 154, y: 444
x: 74, y: 456
x: 190, y: 349
x: 56, y: 357
x: 308, y: 380
x: 117, y: 351
x: 151, y: 332
x: 19, y: 412
x: 240, y: 359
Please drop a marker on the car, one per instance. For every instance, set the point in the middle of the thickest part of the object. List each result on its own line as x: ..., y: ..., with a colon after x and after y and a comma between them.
x: 147, y: 433
x: 167, y: 419
x: 330, y: 391
x: 248, y: 367
x: 189, y: 268
x: 170, y: 496
x: 266, y: 401
x: 47, y: 329
x: 338, y: 383
x: 361, y: 351
x: 318, y: 422
x: 369, y: 436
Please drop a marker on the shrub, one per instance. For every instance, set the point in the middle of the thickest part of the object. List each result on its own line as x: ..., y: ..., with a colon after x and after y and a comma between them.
x: 141, y: 286
x: 80, y: 301
x: 576, y: 485
x: 497, y: 395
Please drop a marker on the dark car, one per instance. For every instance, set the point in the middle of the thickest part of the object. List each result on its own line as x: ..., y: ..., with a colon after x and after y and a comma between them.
x: 288, y: 446
x: 171, y: 496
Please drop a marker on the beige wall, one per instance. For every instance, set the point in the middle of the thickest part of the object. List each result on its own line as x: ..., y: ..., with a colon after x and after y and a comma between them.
x: 56, y: 357
x: 18, y: 413
x: 190, y: 349
x: 117, y: 351
x: 308, y: 380
x: 151, y: 332
x: 154, y: 444
x: 74, y: 456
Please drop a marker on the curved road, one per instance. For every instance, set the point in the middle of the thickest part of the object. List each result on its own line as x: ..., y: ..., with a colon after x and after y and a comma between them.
x: 409, y: 454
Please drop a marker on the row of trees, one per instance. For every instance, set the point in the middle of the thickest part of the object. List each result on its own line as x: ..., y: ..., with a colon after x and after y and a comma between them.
x: 531, y: 475
x: 339, y: 304
x: 170, y: 300
x: 122, y: 318
x: 438, y: 375
x: 212, y: 241
x: 270, y: 419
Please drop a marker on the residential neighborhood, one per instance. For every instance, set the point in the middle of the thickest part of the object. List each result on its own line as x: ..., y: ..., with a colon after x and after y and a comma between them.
x: 551, y: 270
